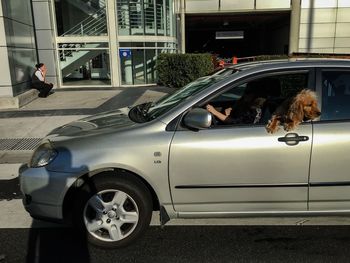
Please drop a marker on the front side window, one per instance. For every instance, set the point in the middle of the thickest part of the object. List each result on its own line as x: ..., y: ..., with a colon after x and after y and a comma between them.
x: 254, y: 102
x: 335, y: 95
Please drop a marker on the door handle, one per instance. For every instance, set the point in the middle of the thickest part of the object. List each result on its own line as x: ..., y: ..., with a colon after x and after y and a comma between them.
x: 293, y: 139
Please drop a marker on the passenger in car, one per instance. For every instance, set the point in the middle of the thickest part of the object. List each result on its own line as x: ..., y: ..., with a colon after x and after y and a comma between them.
x: 294, y: 110
x: 250, y: 115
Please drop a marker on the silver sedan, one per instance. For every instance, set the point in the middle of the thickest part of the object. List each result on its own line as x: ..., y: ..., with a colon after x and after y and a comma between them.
x: 108, y: 172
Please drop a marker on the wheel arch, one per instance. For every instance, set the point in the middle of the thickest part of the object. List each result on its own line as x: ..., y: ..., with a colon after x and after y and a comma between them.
x: 88, y: 177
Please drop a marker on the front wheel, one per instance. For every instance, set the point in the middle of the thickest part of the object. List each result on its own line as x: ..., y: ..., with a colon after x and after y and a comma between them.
x: 113, y: 210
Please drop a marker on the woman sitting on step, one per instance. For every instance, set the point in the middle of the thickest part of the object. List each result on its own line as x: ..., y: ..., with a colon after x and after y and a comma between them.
x: 39, y: 83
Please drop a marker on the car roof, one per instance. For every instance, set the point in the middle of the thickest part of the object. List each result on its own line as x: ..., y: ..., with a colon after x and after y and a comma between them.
x: 242, y: 70
x: 292, y: 62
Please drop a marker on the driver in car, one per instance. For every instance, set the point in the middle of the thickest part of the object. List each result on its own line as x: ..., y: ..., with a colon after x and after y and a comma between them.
x: 242, y: 114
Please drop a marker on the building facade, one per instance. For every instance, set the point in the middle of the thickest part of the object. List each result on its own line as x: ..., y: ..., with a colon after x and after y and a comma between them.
x: 112, y: 43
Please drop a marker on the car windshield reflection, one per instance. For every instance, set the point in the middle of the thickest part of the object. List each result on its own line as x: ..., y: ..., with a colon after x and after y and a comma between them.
x: 168, y: 102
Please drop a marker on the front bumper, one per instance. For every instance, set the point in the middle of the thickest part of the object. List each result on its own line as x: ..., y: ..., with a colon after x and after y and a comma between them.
x: 44, y: 191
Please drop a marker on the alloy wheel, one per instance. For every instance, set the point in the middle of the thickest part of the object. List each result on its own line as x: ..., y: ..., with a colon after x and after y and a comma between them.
x: 111, y: 215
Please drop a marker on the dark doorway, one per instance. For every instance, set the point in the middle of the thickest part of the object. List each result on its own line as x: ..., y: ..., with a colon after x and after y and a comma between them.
x: 264, y: 34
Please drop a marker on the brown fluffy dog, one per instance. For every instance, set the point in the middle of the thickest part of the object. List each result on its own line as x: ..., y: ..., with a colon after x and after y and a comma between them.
x: 293, y: 111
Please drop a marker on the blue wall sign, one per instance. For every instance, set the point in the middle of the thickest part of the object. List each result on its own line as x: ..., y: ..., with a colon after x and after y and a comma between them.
x: 125, y: 53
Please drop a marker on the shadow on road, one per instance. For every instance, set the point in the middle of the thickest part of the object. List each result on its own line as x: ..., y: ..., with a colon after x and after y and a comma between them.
x: 9, y: 189
x: 55, y: 245
x: 50, y: 245
x: 189, y: 244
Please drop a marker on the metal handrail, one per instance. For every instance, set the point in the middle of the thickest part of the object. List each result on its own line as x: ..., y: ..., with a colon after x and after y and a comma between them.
x: 91, y: 27
x: 70, y: 49
x: 87, y: 23
x: 79, y: 28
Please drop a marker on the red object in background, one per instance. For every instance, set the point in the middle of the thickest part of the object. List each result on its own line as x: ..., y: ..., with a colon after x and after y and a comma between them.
x: 234, y: 60
x: 221, y: 63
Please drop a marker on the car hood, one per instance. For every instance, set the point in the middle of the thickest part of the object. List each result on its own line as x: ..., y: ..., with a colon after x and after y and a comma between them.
x: 95, y: 124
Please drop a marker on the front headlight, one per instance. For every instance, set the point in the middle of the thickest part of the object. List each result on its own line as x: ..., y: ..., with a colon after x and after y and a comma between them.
x: 43, y: 155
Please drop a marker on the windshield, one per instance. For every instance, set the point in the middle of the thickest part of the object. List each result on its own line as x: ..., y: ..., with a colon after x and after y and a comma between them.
x: 168, y: 102
x: 149, y: 111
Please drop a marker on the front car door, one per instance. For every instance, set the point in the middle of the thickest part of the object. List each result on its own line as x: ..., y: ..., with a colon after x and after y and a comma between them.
x: 240, y: 167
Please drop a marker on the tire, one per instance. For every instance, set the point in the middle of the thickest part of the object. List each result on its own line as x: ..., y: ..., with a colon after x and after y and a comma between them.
x: 113, y: 210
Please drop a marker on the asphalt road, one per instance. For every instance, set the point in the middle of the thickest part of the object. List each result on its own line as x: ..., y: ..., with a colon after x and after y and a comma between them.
x: 175, y: 243
x: 184, y: 244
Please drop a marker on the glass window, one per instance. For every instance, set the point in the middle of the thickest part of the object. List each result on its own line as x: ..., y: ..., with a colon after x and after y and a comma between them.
x: 131, y: 17
x: 132, y: 65
x: 84, y: 64
x: 81, y: 18
x: 150, y: 44
x: 138, y: 60
x: 335, y: 95
x: 126, y: 66
x: 170, y: 19
x: 18, y: 10
x: 150, y: 23
x: 136, y: 17
x: 132, y: 44
x: 145, y: 17
x: 138, y: 66
x: 160, y: 17
x: 151, y: 65
x: 255, y: 101
x: 123, y: 17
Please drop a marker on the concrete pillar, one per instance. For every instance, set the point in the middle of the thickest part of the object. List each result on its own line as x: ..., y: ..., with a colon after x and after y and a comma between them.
x: 17, y: 53
x: 113, y: 42
x: 182, y: 28
x: 5, y: 73
x: 45, y: 36
x: 294, y: 26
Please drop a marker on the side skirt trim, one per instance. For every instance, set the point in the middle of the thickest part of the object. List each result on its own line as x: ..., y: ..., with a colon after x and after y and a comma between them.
x: 262, y: 214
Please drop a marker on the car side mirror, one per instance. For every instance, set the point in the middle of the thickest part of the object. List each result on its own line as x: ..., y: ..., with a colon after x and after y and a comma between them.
x: 198, y: 118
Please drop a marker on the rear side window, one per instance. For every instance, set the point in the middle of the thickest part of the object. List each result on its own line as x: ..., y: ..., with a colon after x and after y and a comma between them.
x: 335, y: 95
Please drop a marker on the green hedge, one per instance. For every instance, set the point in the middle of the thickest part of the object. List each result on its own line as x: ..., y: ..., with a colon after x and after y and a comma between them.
x: 177, y: 70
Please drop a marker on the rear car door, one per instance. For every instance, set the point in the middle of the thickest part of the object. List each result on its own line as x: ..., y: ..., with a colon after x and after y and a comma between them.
x: 330, y: 162
x: 242, y: 168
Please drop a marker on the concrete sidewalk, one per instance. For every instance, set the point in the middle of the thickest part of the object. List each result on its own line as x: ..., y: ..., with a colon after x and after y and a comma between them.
x: 21, y: 129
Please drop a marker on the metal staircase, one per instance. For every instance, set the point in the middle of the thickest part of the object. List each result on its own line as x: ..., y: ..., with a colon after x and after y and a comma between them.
x: 73, y: 55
